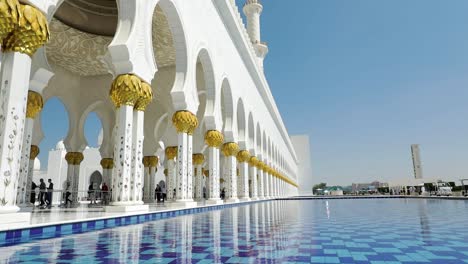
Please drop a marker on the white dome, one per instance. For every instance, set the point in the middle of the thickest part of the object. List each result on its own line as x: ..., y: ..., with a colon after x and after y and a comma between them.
x: 60, y: 145
x: 37, y: 164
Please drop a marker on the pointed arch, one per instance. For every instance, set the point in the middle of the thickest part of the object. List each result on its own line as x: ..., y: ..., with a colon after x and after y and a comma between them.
x: 241, y: 124
x: 227, y: 110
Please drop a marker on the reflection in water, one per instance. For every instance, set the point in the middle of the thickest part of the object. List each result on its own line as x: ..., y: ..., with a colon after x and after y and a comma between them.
x: 424, y: 222
x: 216, y: 235
x: 327, y: 208
x: 267, y: 232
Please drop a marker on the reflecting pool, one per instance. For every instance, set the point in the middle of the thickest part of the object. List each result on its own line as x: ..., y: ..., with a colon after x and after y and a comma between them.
x: 301, y: 231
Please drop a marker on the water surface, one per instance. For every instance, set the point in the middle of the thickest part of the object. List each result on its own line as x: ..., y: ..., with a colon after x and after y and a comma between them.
x: 308, y: 231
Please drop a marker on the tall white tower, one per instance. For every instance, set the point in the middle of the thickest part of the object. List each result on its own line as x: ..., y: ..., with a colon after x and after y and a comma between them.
x: 253, y: 10
x: 416, y: 161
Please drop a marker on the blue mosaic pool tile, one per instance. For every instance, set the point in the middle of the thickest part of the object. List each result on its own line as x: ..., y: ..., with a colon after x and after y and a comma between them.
x: 273, y: 232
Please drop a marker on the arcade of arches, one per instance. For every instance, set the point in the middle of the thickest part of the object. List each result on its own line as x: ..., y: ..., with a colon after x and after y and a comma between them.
x: 169, y: 96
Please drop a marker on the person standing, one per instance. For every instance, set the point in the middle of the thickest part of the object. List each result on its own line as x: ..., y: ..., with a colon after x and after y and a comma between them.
x: 42, y: 192
x: 50, y: 190
x: 91, y: 194
x: 32, y: 198
x: 158, y: 193
x: 105, y: 193
x: 67, y: 194
x: 163, y: 190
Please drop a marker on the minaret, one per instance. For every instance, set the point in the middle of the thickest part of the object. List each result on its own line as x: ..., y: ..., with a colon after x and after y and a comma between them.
x: 252, y: 10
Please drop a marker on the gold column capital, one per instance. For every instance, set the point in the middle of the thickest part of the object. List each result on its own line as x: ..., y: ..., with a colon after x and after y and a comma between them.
x: 171, y: 153
x: 10, y: 13
x: 126, y: 90
x: 74, y: 158
x: 165, y: 172
x: 214, y: 138
x: 185, y: 122
x: 34, y: 105
x: 30, y: 33
x: 253, y: 161
x: 145, y: 98
x: 107, y: 163
x: 34, y: 152
x: 243, y: 156
x: 150, y: 161
x: 198, y: 158
x: 230, y: 149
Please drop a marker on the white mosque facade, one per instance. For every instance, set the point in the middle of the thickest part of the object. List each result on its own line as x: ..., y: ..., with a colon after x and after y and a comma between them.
x: 179, y: 89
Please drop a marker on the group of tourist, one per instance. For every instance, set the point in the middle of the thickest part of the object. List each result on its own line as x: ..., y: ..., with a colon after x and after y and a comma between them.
x: 44, y: 196
x: 95, y: 193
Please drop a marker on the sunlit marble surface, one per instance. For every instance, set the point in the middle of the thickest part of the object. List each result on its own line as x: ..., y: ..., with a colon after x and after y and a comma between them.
x: 40, y: 217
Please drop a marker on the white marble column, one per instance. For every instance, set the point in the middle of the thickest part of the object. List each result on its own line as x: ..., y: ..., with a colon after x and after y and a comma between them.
x: 171, y: 153
x: 253, y: 177
x: 181, y: 181
x: 190, y: 177
x: 230, y: 151
x: 145, y: 96
x: 19, y: 43
x: 34, y: 152
x: 198, y: 160
x: 266, y: 182
x: 136, y: 180
x: 34, y: 107
x: 243, y: 158
x: 261, y: 180
x: 146, y: 180
x: 130, y: 96
x: 153, y: 168
x: 213, y: 139
x: 74, y: 160
x: 150, y: 163
x: 274, y: 187
x: 121, y: 173
x: 185, y: 123
x: 107, y: 164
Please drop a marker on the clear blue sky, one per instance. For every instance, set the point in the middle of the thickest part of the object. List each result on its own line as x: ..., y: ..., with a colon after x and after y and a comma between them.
x: 368, y: 78
x: 365, y: 79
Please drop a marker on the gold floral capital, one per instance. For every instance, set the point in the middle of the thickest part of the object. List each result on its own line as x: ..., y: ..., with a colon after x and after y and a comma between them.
x: 34, y: 152
x: 165, y: 172
x: 243, y: 156
x: 230, y: 149
x: 198, y: 158
x: 259, y: 165
x: 74, y: 158
x: 150, y: 161
x: 214, y: 138
x: 171, y: 153
x: 9, y: 17
x: 107, y: 163
x: 126, y: 90
x: 185, y: 122
x: 253, y: 161
x: 35, y: 104
x: 31, y: 32
x: 146, y: 96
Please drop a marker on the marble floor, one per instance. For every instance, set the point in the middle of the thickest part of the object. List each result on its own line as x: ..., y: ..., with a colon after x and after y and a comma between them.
x: 56, y: 215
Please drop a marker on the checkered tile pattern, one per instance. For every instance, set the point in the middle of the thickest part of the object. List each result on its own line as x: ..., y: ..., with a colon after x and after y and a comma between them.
x: 391, y: 231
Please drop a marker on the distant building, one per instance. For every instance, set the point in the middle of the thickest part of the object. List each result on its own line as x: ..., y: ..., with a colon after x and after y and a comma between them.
x: 416, y: 161
x: 356, y: 187
x: 302, y: 147
x: 334, y: 191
